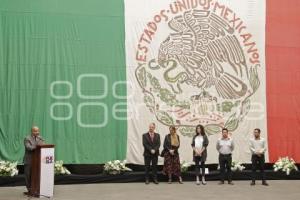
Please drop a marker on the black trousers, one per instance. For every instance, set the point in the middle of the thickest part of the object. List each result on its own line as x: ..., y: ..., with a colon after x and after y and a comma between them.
x: 198, y: 162
x: 151, y: 161
x: 225, y: 164
x: 27, y: 173
x: 258, y: 162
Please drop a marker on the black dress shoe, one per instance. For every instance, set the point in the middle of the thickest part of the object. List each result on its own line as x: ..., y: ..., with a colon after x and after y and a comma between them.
x: 26, y: 193
x: 265, y: 183
x: 221, y: 183
x: 155, y: 181
x: 230, y: 183
x: 252, y: 183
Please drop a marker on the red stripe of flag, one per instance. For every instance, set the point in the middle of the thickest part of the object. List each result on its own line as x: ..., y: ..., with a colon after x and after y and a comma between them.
x: 283, y: 78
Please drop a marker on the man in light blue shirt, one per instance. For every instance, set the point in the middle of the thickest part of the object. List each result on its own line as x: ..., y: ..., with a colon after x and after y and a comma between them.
x: 225, y: 146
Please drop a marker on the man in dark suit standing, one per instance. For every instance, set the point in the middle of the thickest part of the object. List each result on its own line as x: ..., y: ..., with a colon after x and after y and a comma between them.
x: 151, y: 143
x: 30, y: 143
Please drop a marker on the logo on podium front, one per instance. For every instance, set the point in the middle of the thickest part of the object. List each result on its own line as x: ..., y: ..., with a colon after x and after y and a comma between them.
x: 49, y: 159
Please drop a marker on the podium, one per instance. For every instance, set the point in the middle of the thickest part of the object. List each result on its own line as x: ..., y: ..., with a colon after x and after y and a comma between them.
x: 42, y: 171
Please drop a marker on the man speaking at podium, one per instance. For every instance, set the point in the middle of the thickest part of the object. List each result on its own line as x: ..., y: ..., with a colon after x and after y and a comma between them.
x: 30, y: 143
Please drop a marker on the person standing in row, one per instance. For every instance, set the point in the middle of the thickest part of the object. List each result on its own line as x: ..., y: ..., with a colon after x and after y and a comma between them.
x: 151, y: 143
x: 258, y: 149
x: 225, y: 146
x: 171, y: 155
x: 199, y: 145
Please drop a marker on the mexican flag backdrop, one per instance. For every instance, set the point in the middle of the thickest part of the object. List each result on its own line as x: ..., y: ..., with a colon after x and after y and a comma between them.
x: 94, y: 74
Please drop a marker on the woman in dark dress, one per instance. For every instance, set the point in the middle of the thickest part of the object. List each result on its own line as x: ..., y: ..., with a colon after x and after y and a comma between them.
x: 171, y: 155
x: 199, y: 144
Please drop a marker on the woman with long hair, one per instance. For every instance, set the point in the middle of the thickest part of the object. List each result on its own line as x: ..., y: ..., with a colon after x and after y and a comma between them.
x: 199, y: 144
x: 171, y: 155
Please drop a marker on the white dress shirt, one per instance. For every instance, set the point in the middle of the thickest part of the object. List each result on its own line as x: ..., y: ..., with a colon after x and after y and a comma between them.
x: 225, y: 145
x: 257, y: 145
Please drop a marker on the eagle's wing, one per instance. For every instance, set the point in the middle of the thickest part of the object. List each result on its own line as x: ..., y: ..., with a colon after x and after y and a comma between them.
x: 215, y: 45
x: 226, y: 49
x: 202, y: 43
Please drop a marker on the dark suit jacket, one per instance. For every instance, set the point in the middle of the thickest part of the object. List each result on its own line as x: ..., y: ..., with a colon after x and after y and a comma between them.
x: 30, y: 144
x: 205, y: 144
x: 148, y: 144
x: 168, y: 146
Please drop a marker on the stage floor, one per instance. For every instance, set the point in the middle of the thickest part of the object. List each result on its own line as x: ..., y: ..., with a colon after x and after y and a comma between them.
x: 278, y: 189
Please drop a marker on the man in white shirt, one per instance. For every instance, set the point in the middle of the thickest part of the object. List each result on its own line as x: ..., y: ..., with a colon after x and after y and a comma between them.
x: 225, y: 146
x: 258, y: 149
